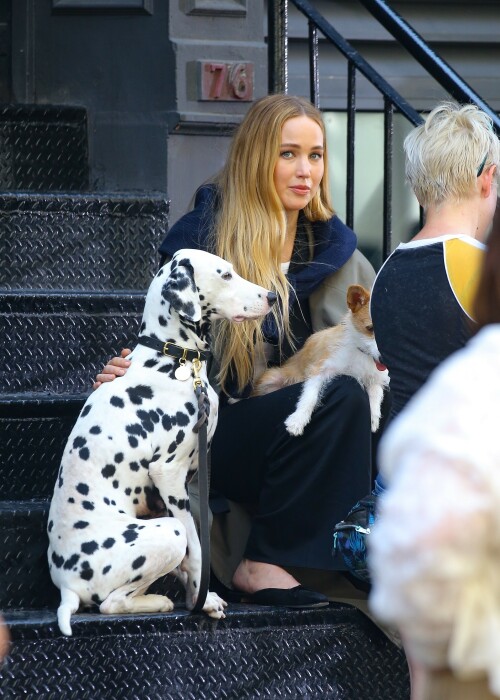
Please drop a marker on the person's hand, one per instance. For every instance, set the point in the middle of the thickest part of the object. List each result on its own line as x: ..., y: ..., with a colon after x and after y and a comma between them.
x: 116, y: 367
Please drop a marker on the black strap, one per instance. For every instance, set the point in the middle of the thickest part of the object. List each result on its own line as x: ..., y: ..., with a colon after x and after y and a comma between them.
x: 204, y: 486
x: 172, y: 350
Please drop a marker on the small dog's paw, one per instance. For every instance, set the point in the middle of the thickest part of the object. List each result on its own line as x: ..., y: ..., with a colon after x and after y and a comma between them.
x: 294, y: 425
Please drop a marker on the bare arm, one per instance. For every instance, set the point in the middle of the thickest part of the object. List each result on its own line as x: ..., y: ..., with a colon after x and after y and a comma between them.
x: 116, y: 367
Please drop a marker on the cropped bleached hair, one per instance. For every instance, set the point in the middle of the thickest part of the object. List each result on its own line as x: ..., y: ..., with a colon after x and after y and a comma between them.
x: 445, y: 154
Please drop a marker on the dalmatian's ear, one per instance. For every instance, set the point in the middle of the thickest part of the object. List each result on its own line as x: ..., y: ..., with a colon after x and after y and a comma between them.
x: 180, y: 290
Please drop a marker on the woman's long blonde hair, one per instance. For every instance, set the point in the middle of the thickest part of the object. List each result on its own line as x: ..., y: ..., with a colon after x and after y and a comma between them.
x: 250, y: 226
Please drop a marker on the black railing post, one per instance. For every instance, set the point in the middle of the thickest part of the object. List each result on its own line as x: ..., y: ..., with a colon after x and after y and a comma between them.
x: 277, y: 53
x: 351, y: 129
x: 388, y: 153
x: 313, y: 64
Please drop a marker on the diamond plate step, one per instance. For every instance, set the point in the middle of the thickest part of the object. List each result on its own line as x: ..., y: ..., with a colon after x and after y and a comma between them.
x: 333, y: 653
x: 25, y: 581
x: 33, y: 434
x: 55, y: 343
x: 43, y: 148
x: 80, y: 241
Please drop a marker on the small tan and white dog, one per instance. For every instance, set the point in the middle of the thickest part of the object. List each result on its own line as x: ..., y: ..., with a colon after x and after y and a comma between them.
x: 348, y: 348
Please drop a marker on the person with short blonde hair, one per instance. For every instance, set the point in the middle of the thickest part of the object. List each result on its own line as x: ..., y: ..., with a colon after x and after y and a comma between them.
x: 434, y: 548
x: 448, y: 152
x: 422, y: 297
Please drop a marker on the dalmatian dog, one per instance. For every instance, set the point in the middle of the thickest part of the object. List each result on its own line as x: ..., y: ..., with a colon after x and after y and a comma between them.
x: 119, y: 517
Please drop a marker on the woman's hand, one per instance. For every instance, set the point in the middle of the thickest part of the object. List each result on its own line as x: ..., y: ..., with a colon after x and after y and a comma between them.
x: 116, y: 367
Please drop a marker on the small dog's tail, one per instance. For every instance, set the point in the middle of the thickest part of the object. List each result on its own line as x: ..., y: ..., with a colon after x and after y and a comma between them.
x: 70, y: 603
x: 272, y: 380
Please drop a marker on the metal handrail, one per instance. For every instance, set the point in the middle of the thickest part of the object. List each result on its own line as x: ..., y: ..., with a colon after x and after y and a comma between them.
x: 429, y: 59
x: 278, y: 82
x: 393, y: 101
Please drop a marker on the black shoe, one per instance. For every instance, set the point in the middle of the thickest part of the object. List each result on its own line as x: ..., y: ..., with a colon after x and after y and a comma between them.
x: 297, y: 597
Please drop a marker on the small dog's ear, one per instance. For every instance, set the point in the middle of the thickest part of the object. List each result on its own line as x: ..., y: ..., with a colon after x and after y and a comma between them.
x: 357, y: 296
x: 180, y: 290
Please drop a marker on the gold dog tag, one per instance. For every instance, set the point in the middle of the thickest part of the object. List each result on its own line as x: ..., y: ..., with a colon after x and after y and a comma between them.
x: 183, y: 372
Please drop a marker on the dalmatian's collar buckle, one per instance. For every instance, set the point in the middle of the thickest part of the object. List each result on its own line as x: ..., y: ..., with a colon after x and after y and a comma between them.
x: 184, y: 355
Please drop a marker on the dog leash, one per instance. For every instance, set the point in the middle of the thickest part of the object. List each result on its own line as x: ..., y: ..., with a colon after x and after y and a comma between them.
x: 195, y: 357
x: 203, y: 485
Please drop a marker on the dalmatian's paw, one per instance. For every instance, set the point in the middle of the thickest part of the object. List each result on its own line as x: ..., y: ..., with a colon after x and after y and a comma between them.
x: 214, y: 606
x: 295, y: 424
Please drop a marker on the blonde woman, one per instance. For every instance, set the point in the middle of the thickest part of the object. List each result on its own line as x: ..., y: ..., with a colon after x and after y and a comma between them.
x: 422, y: 298
x: 269, y: 213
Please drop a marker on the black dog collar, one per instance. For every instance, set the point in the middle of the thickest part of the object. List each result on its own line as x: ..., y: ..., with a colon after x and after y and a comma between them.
x: 173, y: 350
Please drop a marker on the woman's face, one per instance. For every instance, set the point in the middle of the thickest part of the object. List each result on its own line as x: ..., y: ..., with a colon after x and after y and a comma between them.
x: 299, y: 169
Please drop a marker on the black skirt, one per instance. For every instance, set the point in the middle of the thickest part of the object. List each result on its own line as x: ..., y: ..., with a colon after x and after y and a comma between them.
x: 299, y: 487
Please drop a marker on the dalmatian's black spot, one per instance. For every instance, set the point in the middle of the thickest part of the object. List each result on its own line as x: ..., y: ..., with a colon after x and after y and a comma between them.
x: 60, y: 481
x: 128, y: 491
x: 137, y: 394
x: 144, y: 463
x: 176, y: 532
x: 89, y: 547
x: 181, y: 503
x: 83, y: 489
x: 133, y: 441
x: 172, y: 447
x: 80, y: 524
x: 166, y: 423
x: 135, y: 501
x: 95, y: 430
x: 181, y: 419
x: 50, y: 526
x: 190, y: 408
x: 86, y: 573
x: 167, y: 369
x: 108, y: 543
x: 79, y: 442
x: 183, y: 335
x: 134, y: 466
x: 86, y: 410
x: 118, y: 457
x: 71, y: 500
x: 58, y: 560
x: 106, y: 569
x: 115, y: 484
x: 117, y: 402
x: 88, y: 505
x: 72, y: 561
x: 195, y: 584
x: 136, y: 578
x: 106, y: 501
x: 95, y: 599
x: 150, y: 363
x: 136, y: 429
x: 113, y: 503
x: 170, y: 459
x: 133, y: 526
x: 138, y: 489
x: 129, y: 535
x: 108, y: 471
x: 162, y: 321
x: 84, y: 453
x: 137, y: 563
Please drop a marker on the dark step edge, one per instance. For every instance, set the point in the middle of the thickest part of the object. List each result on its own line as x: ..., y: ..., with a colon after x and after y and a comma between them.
x: 37, y: 624
x: 41, y: 404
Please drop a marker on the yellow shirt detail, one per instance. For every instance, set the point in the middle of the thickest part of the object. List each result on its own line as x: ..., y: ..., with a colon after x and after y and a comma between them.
x: 463, y: 263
